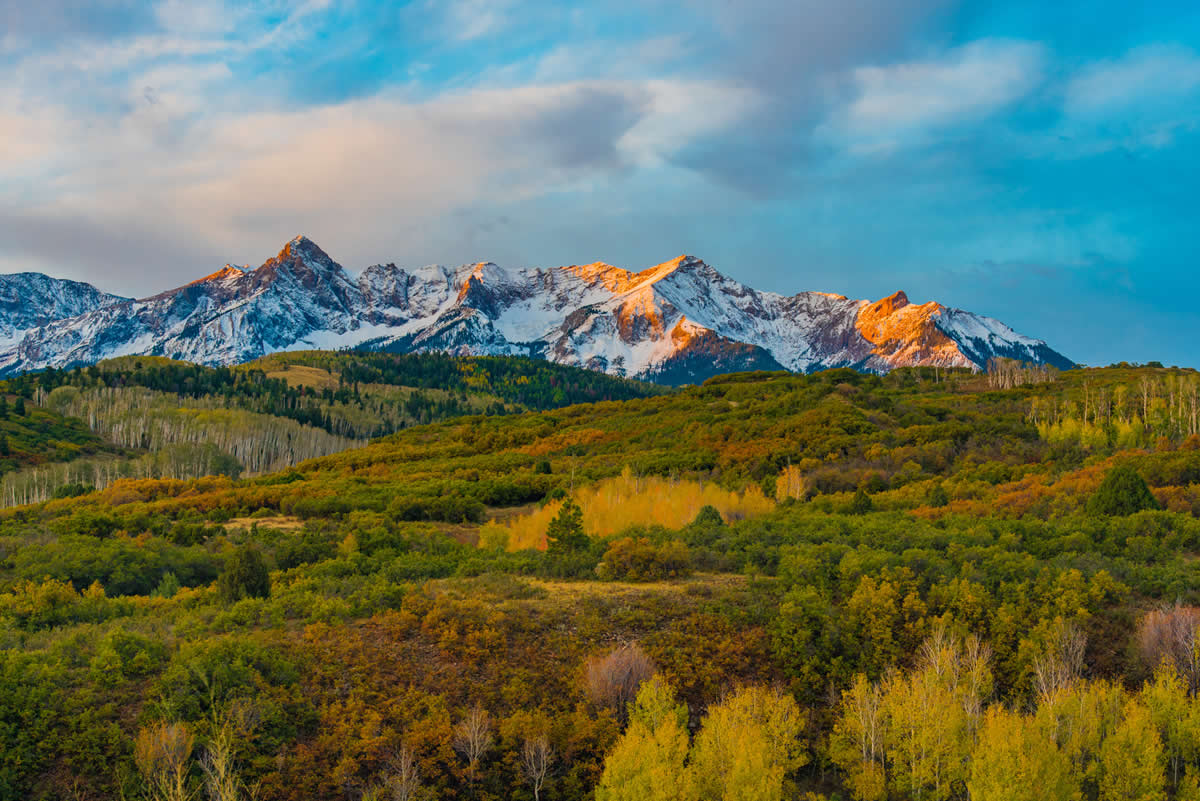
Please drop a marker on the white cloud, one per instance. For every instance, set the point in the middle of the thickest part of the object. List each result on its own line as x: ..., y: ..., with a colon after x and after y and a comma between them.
x: 967, y: 83
x: 1144, y: 75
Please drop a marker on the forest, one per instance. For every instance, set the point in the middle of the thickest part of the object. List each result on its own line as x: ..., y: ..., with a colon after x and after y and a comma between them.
x: 928, y: 585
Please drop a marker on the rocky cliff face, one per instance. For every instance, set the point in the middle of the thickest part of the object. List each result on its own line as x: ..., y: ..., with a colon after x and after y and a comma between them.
x: 677, y: 322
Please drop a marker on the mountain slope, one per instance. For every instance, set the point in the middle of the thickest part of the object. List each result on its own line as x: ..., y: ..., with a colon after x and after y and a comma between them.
x: 29, y: 300
x: 679, y: 321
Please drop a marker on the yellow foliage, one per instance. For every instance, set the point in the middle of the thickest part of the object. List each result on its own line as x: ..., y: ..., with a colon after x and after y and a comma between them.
x: 615, y: 504
x: 790, y: 484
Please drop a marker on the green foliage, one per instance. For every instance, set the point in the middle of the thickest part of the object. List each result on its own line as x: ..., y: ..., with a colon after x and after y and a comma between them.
x: 708, y: 516
x: 245, y: 576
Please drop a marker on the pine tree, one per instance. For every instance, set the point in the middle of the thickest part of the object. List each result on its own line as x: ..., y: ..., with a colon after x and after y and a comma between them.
x: 245, y: 576
x: 708, y: 516
x: 862, y: 503
x: 1123, y: 492
x: 566, y: 530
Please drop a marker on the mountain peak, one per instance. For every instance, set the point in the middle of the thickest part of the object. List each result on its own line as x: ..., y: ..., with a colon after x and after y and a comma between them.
x: 894, y: 302
x: 595, y: 315
x: 301, y: 244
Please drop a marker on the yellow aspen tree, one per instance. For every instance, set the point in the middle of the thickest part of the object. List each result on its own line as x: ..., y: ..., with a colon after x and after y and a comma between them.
x: 647, y: 763
x: 856, y: 744
x: 1079, y: 718
x: 1015, y: 761
x: 1132, y: 759
x: 746, y: 747
x: 1175, y: 717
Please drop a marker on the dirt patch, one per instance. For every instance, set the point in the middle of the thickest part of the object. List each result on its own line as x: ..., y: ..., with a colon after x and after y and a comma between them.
x: 280, y: 523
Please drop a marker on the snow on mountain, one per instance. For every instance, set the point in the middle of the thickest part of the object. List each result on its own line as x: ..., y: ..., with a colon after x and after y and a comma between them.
x: 677, y: 322
x: 29, y: 300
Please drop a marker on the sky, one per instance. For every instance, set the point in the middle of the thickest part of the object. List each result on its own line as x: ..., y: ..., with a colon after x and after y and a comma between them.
x: 1035, y: 161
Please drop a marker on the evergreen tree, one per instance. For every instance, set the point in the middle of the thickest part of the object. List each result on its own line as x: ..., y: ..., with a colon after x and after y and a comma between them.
x: 708, y: 516
x: 19, y: 408
x: 862, y: 503
x: 245, y: 576
x: 566, y: 530
x: 1123, y: 492
x: 938, y: 497
x: 3, y: 407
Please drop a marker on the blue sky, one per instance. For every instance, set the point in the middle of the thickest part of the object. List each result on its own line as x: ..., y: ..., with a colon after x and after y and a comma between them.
x: 1037, y: 162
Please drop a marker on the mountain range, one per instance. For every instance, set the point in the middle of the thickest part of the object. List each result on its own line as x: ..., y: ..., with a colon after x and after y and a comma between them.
x: 677, y: 322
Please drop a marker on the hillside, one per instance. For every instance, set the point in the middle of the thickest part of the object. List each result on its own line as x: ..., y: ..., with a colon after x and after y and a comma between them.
x: 968, y: 556
x: 681, y: 321
x: 171, y: 419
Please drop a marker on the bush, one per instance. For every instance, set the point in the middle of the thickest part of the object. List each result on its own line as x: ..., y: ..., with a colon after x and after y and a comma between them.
x: 639, y: 559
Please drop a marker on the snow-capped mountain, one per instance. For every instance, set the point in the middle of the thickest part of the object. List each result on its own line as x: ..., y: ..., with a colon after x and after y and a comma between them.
x: 678, y: 322
x: 30, y: 300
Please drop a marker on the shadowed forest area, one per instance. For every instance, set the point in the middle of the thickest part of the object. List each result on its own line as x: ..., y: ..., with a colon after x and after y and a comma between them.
x: 928, y: 585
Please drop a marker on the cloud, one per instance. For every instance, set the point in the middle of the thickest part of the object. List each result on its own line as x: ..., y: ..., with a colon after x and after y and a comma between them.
x: 1146, y: 75
x: 967, y: 83
x: 369, y: 170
